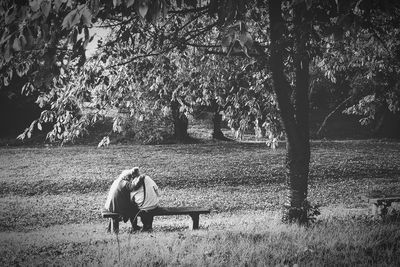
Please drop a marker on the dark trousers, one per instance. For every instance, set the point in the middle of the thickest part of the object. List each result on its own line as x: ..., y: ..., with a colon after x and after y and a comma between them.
x: 147, y: 219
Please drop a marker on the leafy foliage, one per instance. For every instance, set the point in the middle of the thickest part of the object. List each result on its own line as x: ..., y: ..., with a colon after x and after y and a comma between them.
x: 148, y: 87
x: 179, y: 30
x: 370, y: 72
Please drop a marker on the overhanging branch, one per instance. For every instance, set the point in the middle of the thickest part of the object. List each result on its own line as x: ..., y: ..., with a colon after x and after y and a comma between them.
x: 134, y: 58
x: 221, y: 53
x: 188, y: 10
x: 333, y: 112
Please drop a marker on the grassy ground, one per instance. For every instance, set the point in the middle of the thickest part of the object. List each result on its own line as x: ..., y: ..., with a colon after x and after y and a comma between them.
x: 50, y: 199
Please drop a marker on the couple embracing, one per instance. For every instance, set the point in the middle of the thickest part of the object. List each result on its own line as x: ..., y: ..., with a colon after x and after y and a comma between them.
x: 132, y: 194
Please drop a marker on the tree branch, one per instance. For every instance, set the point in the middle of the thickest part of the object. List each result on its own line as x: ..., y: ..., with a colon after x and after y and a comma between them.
x: 203, y: 45
x: 333, y: 112
x: 189, y: 10
x: 134, y: 58
x: 189, y: 22
x: 200, y: 32
x: 241, y: 54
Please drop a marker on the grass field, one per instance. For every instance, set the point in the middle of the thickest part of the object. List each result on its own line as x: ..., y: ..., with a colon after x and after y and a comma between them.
x: 50, y: 199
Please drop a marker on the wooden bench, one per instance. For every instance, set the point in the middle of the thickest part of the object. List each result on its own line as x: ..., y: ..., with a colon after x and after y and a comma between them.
x: 381, y: 204
x: 193, y: 212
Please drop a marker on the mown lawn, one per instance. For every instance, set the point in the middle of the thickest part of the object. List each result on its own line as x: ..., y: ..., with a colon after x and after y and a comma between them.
x: 50, y: 199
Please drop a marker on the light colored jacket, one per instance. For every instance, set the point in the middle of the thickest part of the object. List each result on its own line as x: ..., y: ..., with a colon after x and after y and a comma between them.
x: 146, y: 198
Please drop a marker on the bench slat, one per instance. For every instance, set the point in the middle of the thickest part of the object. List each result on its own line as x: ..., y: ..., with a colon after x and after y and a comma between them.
x: 193, y: 212
x: 180, y: 211
x: 382, y: 199
x: 107, y: 214
x: 162, y: 211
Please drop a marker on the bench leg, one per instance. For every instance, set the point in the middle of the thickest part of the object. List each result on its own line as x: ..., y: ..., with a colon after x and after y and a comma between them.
x: 109, y: 226
x: 114, y: 225
x: 384, y: 210
x: 380, y: 210
x: 195, y: 219
x: 375, y: 209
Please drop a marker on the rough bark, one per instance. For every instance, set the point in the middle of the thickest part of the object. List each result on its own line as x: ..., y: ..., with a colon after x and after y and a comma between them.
x: 180, y: 121
x: 294, y: 114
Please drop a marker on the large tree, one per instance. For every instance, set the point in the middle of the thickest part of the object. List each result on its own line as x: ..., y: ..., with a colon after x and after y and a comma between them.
x: 293, y: 33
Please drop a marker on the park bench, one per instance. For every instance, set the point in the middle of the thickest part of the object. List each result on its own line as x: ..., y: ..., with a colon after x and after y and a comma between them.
x: 381, y: 203
x: 193, y: 212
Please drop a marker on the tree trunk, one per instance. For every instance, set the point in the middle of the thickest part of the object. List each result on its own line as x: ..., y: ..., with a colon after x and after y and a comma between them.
x: 180, y: 122
x: 294, y: 115
x: 217, y: 125
x: 217, y: 121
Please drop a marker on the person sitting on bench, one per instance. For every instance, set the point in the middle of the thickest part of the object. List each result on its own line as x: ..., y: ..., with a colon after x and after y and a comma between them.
x: 118, y: 198
x: 146, y: 197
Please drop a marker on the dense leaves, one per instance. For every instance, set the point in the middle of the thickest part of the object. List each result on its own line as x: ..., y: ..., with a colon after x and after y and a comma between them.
x: 33, y: 28
x: 370, y: 73
x: 153, y: 85
x: 243, y: 31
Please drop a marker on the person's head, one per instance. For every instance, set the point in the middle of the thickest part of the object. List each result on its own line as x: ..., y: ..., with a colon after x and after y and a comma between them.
x: 130, y: 174
x: 134, y: 172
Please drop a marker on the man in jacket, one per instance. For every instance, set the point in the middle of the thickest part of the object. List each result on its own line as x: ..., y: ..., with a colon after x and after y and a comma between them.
x: 147, y: 198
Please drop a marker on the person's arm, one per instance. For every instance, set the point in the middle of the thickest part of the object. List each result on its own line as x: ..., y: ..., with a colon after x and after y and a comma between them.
x: 135, y: 185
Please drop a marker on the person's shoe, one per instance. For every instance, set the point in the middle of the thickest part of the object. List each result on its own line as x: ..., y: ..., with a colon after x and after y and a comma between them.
x: 147, y: 230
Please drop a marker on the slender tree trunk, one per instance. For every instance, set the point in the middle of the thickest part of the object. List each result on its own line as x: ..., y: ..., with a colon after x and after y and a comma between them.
x: 321, y: 129
x: 180, y: 121
x: 294, y: 114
